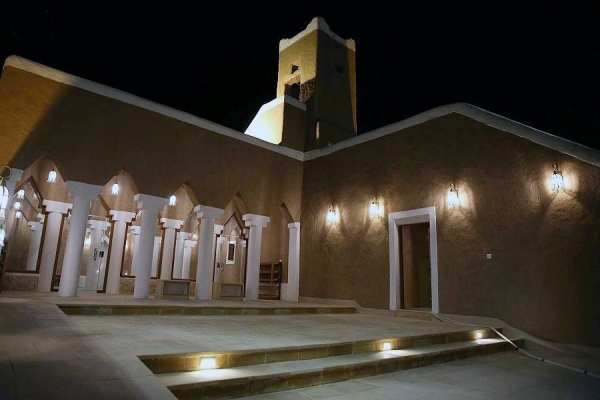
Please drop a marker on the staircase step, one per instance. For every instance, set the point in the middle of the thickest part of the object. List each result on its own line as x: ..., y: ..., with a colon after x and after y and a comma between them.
x: 267, y: 378
x: 181, y: 362
x: 104, y: 309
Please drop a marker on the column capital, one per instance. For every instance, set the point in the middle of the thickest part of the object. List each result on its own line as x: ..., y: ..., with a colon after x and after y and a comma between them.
x: 34, y: 226
x: 171, y: 223
x: 256, y: 220
x: 124, y: 216
x: 15, y: 175
x: 183, y: 235
x: 294, y: 225
x: 190, y: 243
x: 147, y: 202
x: 135, y: 229
x: 56, y: 206
x: 85, y: 190
x: 219, y: 229
x: 206, y: 212
x: 41, y: 217
x: 96, y: 224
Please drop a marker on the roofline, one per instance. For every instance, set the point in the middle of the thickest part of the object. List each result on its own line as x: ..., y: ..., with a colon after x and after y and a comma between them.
x: 107, y: 91
x: 581, y: 152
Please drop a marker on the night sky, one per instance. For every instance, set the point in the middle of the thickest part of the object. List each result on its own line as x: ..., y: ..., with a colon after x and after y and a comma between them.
x: 539, y: 65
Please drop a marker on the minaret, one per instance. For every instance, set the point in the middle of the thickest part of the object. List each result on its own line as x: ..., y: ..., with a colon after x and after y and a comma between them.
x: 316, y: 91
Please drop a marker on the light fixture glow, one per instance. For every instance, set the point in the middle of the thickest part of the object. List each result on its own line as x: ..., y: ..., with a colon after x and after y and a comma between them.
x: 479, y: 335
x: 195, y: 237
x: 557, y: 179
x: 374, y: 208
x: 386, y: 346
x: 452, y: 196
x: 331, y: 214
x: 52, y: 176
x: 18, y: 215
x: 3, y: 197
x: 17, y: 205
x: 208, y: 363
x: 115, y: 189
x: 21, y: 194
x: 172, y: 200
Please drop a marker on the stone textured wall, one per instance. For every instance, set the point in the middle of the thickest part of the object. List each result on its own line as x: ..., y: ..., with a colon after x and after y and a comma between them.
x: 544, y: 275
x: 18, y: 281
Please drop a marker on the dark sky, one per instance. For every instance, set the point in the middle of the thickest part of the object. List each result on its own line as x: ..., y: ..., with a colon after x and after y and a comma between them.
x: 537, y: 64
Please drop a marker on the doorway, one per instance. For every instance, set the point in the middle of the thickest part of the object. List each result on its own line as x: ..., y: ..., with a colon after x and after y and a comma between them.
x: 415, y: 267
x: 413, y: 245
x: 230, y: 262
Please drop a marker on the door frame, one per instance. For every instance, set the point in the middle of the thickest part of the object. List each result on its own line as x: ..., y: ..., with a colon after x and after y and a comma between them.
x: 416, y: 216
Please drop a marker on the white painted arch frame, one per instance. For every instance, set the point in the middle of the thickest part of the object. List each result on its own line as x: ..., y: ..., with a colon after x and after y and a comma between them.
x: 417, y: 216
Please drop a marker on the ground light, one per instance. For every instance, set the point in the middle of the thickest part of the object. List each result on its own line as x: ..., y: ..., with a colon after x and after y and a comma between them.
x: 478, y: 335
x: 208, y: 363
x: 386, y: 346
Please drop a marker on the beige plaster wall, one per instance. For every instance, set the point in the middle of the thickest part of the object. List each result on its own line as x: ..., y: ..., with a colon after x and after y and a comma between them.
x: 91, y: 138
x: 544, y: 274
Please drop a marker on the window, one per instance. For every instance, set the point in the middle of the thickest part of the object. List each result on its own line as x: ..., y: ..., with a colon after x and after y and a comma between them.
x: 295, y: 68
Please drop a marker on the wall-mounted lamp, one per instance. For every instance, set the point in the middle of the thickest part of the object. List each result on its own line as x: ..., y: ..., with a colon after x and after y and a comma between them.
x: 52, y: 176
x: 115, y: 188
x: 17, y: 205
x: 332, y: 214
x: 172, y: 200
x: 374, y: 208
x: 18, y: 215
x: 21, y: 194
x: 452, y: 196
x: 557, y: 179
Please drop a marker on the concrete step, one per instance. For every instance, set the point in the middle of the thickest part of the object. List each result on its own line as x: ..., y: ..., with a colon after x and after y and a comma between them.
x: 169, y: 363
x: 266, y: 378
x: 106, y: 309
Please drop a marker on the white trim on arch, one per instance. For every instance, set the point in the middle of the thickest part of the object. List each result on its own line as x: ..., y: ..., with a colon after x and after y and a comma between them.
x: 396, y: 219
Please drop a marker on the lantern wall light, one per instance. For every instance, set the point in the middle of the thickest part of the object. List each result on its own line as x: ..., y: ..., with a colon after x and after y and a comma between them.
x: 374, y: 208
x: 18, y: 215
x: 52, y: 176
x: 21, y: 194
x: 332, y: 215
x: 172, y: 200
x: 557, y: 179
x: 17, y: 205
x: 115, y: 188
x: 452, y: 196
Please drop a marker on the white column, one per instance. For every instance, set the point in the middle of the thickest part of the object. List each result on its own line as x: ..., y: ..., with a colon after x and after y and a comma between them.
x: 156, y: 254
x: 82, y: 194
x: 34, y: 245
x: 166, y: 264
x: 187, y: 258
x: 207, y: 216
x: 135, y: 232
x: 290, y: 290
x: 55, y: 213
x: 117, y: 247
x: 178, y: 257
x: 256, y: 223
x: 10, y: 183
x: 97, y: 231
x: 150, y: 206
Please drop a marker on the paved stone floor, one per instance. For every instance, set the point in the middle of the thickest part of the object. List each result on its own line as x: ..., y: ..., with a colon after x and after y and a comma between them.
x: 501, y: 376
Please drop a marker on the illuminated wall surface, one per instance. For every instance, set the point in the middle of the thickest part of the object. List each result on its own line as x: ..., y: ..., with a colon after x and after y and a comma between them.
x: 542, y: 278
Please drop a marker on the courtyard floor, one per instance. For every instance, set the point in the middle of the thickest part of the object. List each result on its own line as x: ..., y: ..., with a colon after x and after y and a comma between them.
x: 45, y: 354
